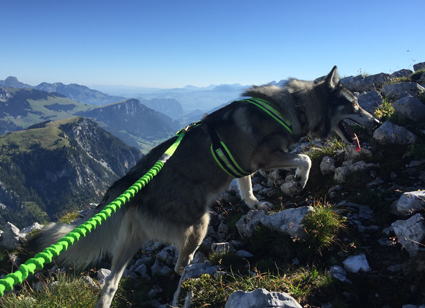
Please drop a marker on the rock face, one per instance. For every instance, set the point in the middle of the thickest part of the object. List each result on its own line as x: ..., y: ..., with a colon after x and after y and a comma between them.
x: 80, y: 160
x: 134, y: 118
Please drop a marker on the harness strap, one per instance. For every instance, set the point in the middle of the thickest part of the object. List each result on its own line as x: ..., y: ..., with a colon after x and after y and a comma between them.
x: 271, y: 111
x: 221, y: 153
x: 223, y: 157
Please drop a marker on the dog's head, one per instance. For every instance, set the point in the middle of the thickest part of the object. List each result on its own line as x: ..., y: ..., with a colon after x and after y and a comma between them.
x: 344, y: 106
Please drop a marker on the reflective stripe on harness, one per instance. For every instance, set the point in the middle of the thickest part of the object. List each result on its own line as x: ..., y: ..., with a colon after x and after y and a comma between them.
x: 224, y: 158
x: 221, y: 153
x: 265, y: 105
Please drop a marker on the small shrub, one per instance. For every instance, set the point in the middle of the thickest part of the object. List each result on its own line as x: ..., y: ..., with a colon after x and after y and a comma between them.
x: 332, y: 146
x: 386, y: 111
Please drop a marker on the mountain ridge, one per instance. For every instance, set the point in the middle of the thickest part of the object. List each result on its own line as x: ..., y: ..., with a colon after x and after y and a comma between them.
x: 21, y: 108
x: 49, y: 170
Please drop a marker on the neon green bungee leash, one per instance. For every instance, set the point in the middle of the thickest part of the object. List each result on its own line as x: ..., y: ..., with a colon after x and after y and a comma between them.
x: 46, y: 256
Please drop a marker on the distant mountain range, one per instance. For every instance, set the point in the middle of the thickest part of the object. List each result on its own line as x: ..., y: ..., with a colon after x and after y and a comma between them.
x: 85, y: 95
x: 129, y: 120
x: 175, y: 103
x: 56, y: 166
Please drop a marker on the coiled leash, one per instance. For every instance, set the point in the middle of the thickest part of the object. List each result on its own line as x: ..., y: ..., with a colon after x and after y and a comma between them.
x: 46, y: 256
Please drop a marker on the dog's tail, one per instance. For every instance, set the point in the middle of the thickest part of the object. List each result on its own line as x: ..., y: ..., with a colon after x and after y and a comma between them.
x: 89, y: 249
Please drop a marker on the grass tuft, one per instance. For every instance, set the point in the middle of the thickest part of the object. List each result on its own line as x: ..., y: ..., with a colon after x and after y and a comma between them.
x: 69, y: 217
x: 322, y: 226
x: 58, y: 291
x: 215, y: 289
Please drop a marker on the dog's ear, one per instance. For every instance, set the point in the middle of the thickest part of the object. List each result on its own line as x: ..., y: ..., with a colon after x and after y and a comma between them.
x: 332, y: 80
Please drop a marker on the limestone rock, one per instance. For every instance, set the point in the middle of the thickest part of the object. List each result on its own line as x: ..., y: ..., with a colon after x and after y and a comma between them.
x: 261, y: 298
x: 356, y: 263
x: 288, y: 221
x: 410, y: 233
x: 390, y: 133
x: 411, y: 108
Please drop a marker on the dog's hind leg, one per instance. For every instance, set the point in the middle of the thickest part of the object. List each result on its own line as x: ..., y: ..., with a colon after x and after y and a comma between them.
x: 124, y: 252
x: 245, y: 187
x: 190, y: 240
x: 129, y: 239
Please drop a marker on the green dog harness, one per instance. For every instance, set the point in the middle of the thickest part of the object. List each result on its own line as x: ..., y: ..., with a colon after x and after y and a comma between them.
x: 221, y: 153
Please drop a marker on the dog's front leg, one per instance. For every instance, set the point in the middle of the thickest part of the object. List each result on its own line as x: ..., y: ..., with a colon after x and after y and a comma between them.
x: 302, y: 163
x: 245, y: 187
x: 283, y: 160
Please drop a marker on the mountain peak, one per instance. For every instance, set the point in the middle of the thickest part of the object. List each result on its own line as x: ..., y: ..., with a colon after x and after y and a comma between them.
x: 13, y: 82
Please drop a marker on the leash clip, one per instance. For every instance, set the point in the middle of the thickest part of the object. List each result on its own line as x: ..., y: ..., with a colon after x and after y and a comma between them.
x: 189, y: 127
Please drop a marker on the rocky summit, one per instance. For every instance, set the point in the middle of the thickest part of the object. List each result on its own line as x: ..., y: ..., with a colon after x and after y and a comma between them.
x: 376, y: 258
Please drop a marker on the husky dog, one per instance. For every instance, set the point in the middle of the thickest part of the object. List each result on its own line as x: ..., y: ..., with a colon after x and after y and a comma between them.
x: 247, y: 136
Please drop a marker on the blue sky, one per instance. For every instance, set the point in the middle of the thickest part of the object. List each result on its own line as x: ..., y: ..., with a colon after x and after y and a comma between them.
x: 166, y: 43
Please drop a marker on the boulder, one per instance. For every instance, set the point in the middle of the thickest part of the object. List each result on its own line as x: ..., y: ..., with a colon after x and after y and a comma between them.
x: 288, y: 221
x: 341, y: 173
x: 357, y: 84
x: 370, y: 101
x: 410, y: 233
x: 419, y: 66
x: 411, y: 108
x: 410, y: 203
x: 327, y: 165
x: 393, y: 134
x: 357, y: 263
x: 339, y: 273
x: 102, y: 274
x: 246, y: 224
x: 377, y: 80
x: 261, y: 298
x: 400, y: 90
x: 351, y: 154
x: 402, y: 73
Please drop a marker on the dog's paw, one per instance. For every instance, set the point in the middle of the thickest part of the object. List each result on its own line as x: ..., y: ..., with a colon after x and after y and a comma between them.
x: 300, y: 181
x: 179, y: 269
x: 264, y: 206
